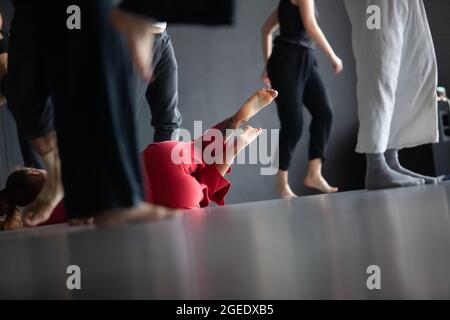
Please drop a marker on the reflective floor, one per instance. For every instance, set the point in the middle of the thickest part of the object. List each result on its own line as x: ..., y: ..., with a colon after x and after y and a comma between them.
x: 312, y: 248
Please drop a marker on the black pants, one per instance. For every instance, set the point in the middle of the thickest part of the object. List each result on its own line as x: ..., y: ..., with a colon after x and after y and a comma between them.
x: 162, y: 92
x: 294, y: 73
x: 88, y: 73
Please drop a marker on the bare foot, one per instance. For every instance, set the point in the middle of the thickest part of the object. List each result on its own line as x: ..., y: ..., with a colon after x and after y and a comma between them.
x: 41, y: 209
x: 140, y: 213
x: 318, y: 182
x: 81, y: 222
x: 285, y: 191
x: 13, y: 222
x: 139, y: 33
x: 254, y: 104
x: 283, y: 187
x: 248, y: 135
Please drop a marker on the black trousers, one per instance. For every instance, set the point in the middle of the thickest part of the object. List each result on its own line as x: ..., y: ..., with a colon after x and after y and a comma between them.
x: 294, y: 73
x: 162, y: 92
x: 88, y: 73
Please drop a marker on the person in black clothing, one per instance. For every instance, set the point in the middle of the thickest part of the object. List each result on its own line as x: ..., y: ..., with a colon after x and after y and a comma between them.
x: 89, y: 76
x: 161, y: 92
x: 30, y: 158
x: 292, y: 70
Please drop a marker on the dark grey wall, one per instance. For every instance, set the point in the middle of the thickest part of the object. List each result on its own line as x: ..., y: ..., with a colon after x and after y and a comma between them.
x: 220, y: 68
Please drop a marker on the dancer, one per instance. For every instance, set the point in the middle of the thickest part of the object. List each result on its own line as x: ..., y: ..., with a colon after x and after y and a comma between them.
x: 194, y: 183
x: 397, y: 81
x: 292, y: 70
x: 186, y: 185
x: 102, y: 126
x: 161, y: 92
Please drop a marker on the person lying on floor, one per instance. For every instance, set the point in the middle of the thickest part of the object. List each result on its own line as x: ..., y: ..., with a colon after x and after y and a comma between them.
x: 177, y: 174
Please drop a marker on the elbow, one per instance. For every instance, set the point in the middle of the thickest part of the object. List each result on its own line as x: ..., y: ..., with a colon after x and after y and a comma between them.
x: 312, y: 28
x: 265, y: 31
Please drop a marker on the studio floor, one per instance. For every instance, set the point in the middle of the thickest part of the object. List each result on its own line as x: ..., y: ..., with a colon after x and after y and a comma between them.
x: 316, y: 247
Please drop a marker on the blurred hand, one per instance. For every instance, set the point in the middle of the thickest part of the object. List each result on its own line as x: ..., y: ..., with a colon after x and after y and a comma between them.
x: 2, y: 101
x: 338, y: 65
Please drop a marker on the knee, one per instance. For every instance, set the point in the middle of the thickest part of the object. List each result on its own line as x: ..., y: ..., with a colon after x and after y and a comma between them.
x: 291, y: 131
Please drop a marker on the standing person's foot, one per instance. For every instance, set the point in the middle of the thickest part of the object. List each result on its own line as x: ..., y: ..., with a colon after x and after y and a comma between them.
x: 318, y: 182
x: 141, y: 213
x: 285, y: 192
x: 81, y: 222
x: 394, y: 163
x: 283, y: 187
x: 139, y: 33
x: 41, y: 209
x: 254, y: 104
x: 380, y: 176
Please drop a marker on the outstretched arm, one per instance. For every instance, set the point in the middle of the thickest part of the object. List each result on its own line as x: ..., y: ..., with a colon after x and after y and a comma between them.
x: 269, y: 27
x: 308, y: 14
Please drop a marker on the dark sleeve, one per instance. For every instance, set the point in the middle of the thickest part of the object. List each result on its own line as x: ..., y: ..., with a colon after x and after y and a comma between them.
x: 202, y: 12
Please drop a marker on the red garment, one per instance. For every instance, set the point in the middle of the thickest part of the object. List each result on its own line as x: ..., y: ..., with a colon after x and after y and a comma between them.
x: 190, y: 185
x: 58, y: 216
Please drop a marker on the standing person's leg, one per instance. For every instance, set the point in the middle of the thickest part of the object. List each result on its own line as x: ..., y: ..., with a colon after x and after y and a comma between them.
x: 318, y: 104
x: 289, y: 68
x: 94, y: 103
x: 162, y: 92
x: 378, y: 54
x: 415, y: 116
x: 27, y: 93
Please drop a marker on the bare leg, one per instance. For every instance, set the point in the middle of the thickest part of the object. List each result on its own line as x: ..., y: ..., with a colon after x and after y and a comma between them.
x: 40, y: 210
x: 260, y: 99
x: 139, y: 33
x: 232, y: 150
x: 314, y: 178
x: 283, y: 187
x: 3, y: 71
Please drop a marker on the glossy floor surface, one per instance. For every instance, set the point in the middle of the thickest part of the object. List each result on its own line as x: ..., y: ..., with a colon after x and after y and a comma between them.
x: 311, y: 248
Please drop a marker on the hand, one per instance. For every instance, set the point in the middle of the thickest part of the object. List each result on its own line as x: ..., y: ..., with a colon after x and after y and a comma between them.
x: 2, y: 101
x: 265, y: 78
x: 338, y: 65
